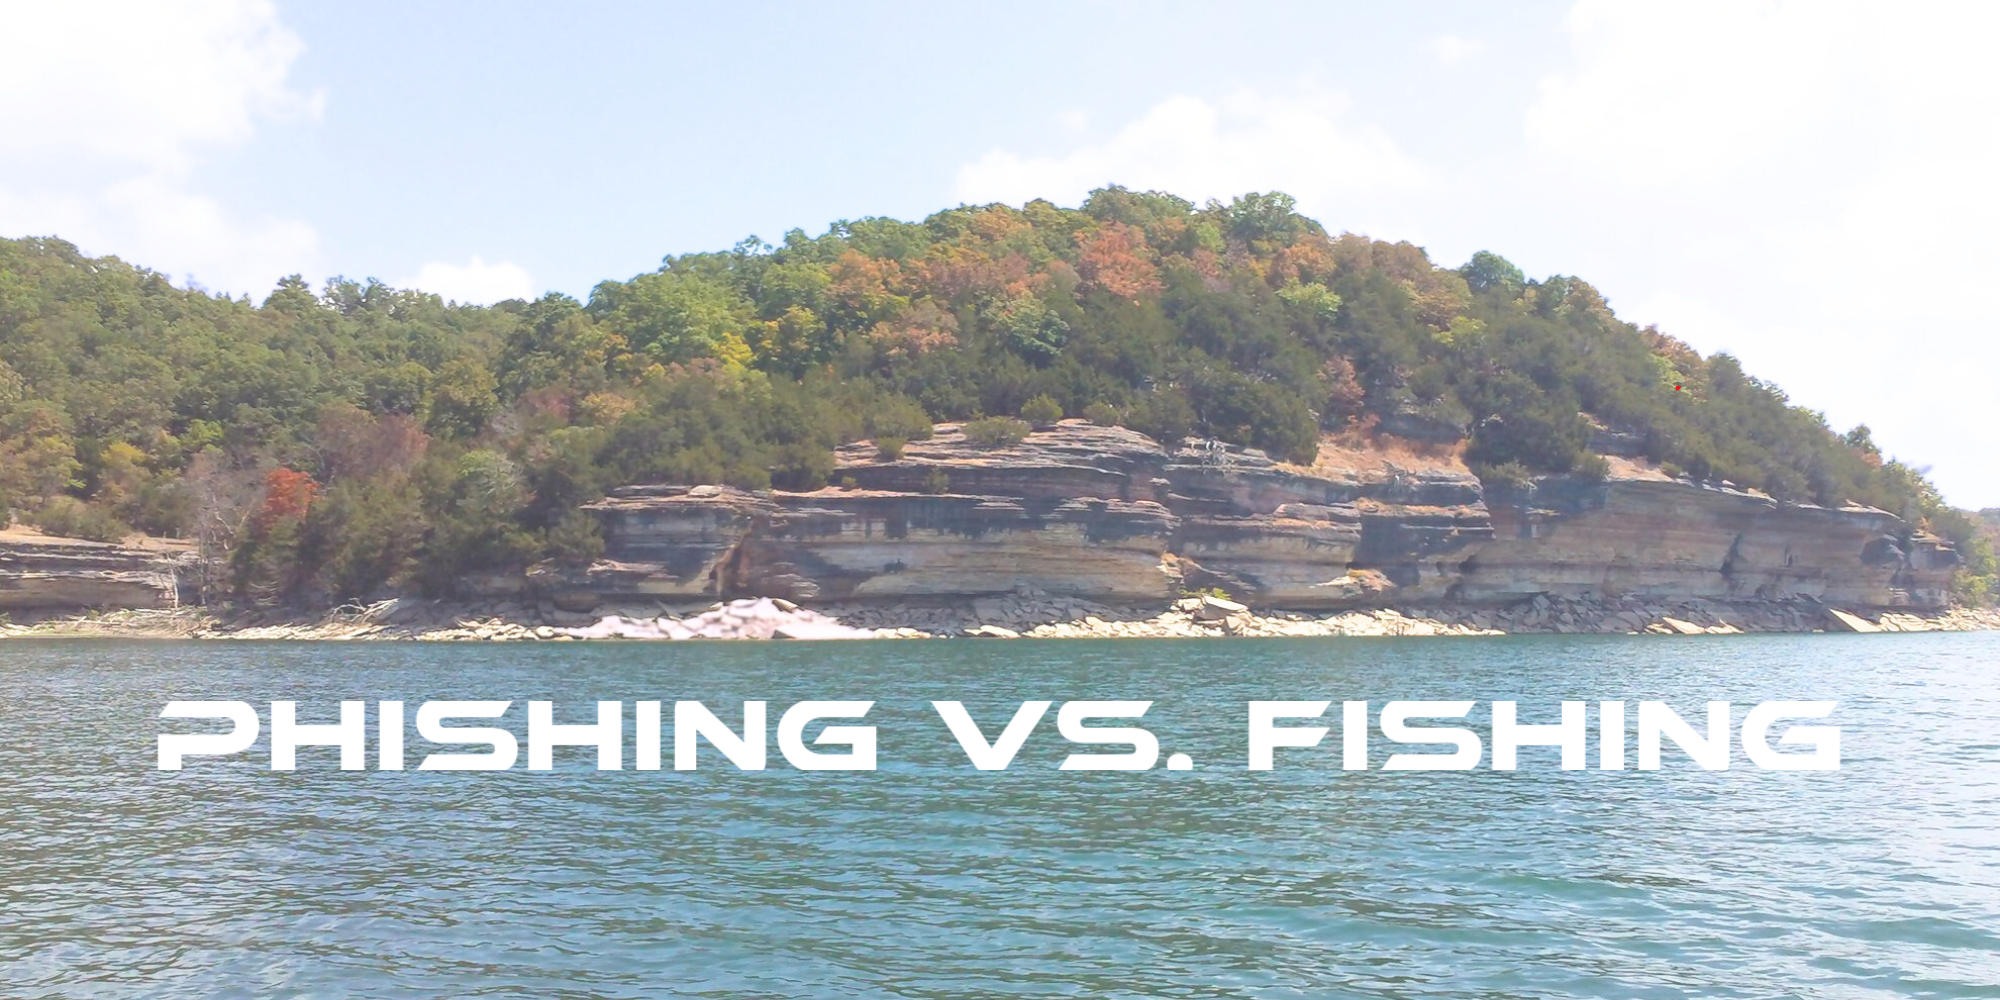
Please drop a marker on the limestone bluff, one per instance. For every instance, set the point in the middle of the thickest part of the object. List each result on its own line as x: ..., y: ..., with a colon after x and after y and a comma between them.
x: 1108, y: 514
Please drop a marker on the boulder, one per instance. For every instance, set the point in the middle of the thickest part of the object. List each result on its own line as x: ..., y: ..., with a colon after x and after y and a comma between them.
x: 1216, y: 609
x: 819, y: 629
x: 1841, y: 621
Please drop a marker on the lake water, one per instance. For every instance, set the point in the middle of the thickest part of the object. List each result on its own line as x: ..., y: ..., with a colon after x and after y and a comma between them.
x: 928, y: 878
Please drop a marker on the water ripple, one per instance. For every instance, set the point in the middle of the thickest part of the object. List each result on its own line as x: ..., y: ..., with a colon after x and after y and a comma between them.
x: 927, y: 879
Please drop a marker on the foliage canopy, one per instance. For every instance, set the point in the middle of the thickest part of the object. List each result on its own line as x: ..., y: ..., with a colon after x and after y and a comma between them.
x: 330, y: 443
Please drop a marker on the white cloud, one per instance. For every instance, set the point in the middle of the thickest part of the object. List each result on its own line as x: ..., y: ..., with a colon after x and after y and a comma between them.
x: 1667, y: 91
x: 1814, y: 183
x: 150, y: 221
x: 474, y: 282
x: 1299, y: 143
x: 122, y: 100
x: 1452, y: 48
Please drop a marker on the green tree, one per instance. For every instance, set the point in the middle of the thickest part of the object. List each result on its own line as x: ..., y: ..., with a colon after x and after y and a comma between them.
x: 670, y: 316
x: 461, y: 399
x: 1490, y: 271
x: 1268, y: 218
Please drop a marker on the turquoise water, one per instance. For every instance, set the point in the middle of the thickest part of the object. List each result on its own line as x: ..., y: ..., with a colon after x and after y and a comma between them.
x: 927, y: 878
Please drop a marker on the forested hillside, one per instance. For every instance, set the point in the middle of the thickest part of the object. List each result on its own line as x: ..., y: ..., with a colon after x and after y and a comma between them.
x: 323, y: 444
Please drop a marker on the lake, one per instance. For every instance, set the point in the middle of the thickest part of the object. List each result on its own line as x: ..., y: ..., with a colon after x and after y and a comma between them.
x: 928, y: 878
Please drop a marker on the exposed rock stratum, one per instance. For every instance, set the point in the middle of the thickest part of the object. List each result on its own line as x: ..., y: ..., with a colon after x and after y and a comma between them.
x: 1106, y: 513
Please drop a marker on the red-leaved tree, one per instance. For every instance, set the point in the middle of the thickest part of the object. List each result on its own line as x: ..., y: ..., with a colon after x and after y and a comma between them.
x: 287, y: 495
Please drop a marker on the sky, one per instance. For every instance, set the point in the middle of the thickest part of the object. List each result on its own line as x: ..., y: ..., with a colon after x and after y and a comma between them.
x: 1810, y: 186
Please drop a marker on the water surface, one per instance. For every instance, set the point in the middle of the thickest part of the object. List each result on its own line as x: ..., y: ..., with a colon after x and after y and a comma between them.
x: 927, y: 878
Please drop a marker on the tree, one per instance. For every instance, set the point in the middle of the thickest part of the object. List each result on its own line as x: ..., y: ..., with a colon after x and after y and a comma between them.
x: 1344, y: 395
x: 1031, y: 328
x: 288, y: 494
x: 400, y: 388
x: 672, y: 316
x: 1115, y: 259
x: 1146, y: 210
x: 37, y: 456
x: 293, y: 297
x: 360, y: 537
x: 1490, y: 271
x: 557, y: 344
x: 351, y: 443
x: 461, y: 399
x: 473, y: 504
x: 123, y: 397
x: 224, y: 497
x: 1518, y: 421
x: 1267, y: 218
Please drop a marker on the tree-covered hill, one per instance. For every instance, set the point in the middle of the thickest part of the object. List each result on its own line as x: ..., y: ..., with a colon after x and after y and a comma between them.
x: 322, y: 445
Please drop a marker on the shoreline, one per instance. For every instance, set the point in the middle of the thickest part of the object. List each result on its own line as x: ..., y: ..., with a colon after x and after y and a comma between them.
x: 1028, y: 615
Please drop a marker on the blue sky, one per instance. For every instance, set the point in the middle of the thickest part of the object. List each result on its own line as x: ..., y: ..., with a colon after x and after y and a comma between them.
x: 1806, y: 185
x: 593, y: 144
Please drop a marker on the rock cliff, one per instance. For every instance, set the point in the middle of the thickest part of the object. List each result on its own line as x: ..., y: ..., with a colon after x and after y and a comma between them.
x: 46, y: 573
x: 1645, y: 535
x: 1106, y: 513
x: 704, y: 541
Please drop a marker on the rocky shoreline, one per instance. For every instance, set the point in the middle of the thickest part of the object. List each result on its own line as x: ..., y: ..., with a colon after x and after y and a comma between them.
x: 1027, y: 614
x: 1084, y: 531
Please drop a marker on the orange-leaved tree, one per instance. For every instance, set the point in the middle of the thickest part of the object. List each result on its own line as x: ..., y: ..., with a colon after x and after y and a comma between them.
x: 287, y: 496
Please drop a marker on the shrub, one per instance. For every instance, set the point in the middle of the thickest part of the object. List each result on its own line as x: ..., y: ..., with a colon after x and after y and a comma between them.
x: 1524, y: 423
x: 1506, y: 475
x: 1165, y: 416
x: 1344, y: 395
x: 72, y: 518
x: 996, y: 432
x: 937, y: 482
x: 1976, y: 591
x: 802, y: 466
x: 1591, y: 466
x: 161, y: 507
x: 575, y: 540
x: 889, y: 447
x: 1102, y: 414
x: 1042, y: 411
x: 899, y: 417
x: 266, y: 567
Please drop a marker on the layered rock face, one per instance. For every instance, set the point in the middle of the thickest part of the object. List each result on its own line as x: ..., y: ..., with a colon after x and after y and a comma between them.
x: 44, y: 573
x: 1105, y: 513
x: 1656, y: 537
x: 840, y: 544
